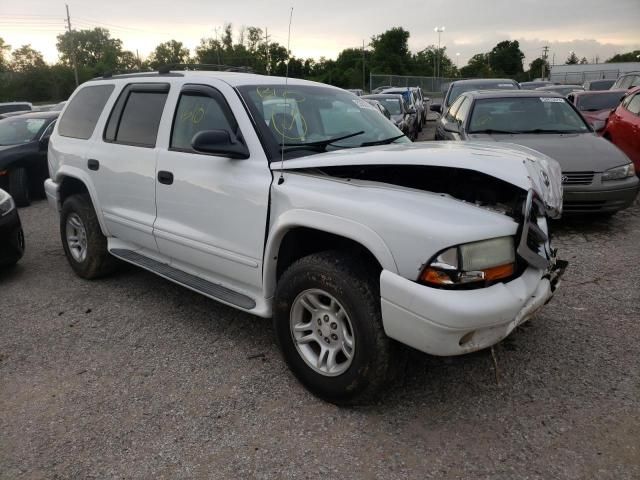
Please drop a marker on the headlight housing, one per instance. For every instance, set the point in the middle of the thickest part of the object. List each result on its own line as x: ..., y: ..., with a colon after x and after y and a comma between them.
x: 476, y: 264
x: 6, y: 203
x: 619, y: 173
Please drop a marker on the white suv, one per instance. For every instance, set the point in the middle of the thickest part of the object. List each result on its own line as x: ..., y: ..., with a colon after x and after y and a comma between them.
x: 300, y: 201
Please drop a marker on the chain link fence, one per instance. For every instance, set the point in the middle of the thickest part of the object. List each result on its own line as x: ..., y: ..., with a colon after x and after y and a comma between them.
x: 431, y: 86
x: 578, y: 78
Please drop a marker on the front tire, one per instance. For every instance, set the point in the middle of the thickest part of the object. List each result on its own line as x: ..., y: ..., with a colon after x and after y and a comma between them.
x: 328, y: 325
x: 84, y: 244
x: 19, y: 187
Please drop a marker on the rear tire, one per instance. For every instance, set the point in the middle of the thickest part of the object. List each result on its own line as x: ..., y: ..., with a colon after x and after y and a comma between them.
x: 365, y: 358
x: 19, y: 187
x: 84, y: 244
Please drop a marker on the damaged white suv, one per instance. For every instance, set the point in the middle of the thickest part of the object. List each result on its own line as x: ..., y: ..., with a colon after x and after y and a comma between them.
x: 301, y: 202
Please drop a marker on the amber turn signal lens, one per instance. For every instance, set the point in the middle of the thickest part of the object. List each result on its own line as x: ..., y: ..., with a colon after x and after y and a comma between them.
x: 434, y: 276
x: 496, y: 273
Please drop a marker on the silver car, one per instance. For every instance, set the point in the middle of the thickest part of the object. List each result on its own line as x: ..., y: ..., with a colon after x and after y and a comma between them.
x: 597, y: 177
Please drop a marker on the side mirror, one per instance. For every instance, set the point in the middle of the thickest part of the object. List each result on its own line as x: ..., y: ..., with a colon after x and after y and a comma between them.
x: 452, y: 127
x: 411, y: 110
x: 436, y: 107
x: 219, y: 142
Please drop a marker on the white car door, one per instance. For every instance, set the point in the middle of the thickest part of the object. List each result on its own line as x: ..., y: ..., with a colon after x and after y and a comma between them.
x: 122, y: 164
x: 212, y: 210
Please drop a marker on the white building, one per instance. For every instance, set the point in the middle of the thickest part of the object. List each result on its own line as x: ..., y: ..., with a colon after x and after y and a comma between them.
x: 577, y: 74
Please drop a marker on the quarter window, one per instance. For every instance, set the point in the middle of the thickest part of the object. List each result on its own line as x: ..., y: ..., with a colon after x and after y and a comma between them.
x: 82, y: 113
x: 196, y: 113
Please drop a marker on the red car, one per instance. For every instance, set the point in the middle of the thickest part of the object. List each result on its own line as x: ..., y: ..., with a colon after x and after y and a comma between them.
x: 595, y: 106
x: 623, y: 127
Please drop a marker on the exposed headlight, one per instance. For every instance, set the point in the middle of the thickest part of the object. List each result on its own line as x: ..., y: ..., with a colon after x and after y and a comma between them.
x: 6, y: 203
x: 472, y: 264
x: 619, y: 173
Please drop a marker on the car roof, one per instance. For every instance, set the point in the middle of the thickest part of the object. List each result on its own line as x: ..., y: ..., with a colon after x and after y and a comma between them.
x: 382, y: 96
x: 235, y: 79
x: 552, y: 87
x: 45, y: 115
x: 480, y: 81
x: 585, y: 93
x: 478, y: 94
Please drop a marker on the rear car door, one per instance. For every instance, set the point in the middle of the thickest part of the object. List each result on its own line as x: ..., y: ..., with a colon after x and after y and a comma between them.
x: 122, y: 164
x: 212, y: 213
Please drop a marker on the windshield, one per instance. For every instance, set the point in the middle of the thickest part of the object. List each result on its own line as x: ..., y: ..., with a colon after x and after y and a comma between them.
x: 14, y: 131
x: 304, y: 119
x: 600, y: 101
x: 459, y: 89
x: 525, y: 115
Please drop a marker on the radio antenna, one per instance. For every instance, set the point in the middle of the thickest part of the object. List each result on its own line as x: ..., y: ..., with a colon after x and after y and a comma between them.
x: 286, y: 84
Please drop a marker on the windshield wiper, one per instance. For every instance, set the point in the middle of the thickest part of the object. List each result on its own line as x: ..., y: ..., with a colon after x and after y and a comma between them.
x: 492, y: 130
x: 320, y: 145
x: 386, y: 141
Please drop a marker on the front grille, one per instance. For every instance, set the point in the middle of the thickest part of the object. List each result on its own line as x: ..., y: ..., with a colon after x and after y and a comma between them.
x: 583, y: 206
x: 577, y: 178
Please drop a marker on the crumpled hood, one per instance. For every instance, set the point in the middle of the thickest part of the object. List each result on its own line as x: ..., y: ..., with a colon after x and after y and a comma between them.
x: 575, y: 152
x: 519, y: 166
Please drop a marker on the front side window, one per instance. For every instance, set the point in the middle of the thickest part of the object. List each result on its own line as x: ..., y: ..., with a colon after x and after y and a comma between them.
x: 14, y: 131
x: 194, y: 114
x: 80, y: 117
x: 451, y: 113
x: 526, y: 115
x: 305, y: 119
x: 462, y: 112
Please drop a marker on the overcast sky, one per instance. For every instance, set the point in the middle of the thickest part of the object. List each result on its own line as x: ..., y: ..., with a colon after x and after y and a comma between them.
x: 323, y: 28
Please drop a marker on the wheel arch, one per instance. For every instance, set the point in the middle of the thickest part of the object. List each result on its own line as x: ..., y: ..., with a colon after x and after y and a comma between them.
x: 73, y: 182
x: 298, y: 233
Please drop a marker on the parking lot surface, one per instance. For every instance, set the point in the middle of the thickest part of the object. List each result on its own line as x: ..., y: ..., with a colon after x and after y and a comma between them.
x: 134, y: 377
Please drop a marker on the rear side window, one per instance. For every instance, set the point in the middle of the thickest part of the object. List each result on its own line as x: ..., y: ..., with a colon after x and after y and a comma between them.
x: 80, y: 117
x: 136, y: 115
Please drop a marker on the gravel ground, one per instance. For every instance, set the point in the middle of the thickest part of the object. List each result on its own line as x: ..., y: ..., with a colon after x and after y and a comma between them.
x: 135, y: 377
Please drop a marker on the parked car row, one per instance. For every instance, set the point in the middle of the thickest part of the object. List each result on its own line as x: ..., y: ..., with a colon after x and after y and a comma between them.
x: 597, y: 176
x: 10, y: 109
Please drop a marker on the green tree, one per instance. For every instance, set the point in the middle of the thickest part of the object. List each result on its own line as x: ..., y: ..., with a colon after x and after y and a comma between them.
x: 539, y: 68
x: 254, y: 37
x: 423, y: 62
x: 584, y: 61
x: 4, y: 52
x: 391, y: 52
x: 26, y: 58
x: 169, y: 53
x: 633, y: 56
x: 477, y: 66
x: 505, y: 59
x: 95, y: 49
x: 572, y: 59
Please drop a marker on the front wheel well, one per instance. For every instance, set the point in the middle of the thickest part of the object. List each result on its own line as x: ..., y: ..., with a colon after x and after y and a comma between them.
x: 71, y: 186
x: 300, y: 242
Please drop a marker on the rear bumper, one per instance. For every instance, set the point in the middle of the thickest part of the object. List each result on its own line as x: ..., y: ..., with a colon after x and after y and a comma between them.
x: 577, y: 200
x: 454, y: 322
x: 52, y: 190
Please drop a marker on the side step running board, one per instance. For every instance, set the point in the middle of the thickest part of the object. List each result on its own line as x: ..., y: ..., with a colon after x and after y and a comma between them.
x: 191, y: 281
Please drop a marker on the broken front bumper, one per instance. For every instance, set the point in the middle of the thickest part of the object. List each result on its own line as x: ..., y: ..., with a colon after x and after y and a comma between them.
x: 454, y: 322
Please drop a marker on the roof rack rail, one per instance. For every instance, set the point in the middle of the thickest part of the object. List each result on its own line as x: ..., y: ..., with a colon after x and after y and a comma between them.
x: 163, y: 69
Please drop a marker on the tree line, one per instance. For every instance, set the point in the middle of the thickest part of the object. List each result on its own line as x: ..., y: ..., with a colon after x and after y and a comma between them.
x: 24, y: 75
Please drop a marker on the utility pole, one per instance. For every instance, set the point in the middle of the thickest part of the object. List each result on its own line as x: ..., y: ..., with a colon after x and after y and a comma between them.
x: 73, y: 46
x: 545, y: 55
x: 266, y: 41
x: 363, y: 79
